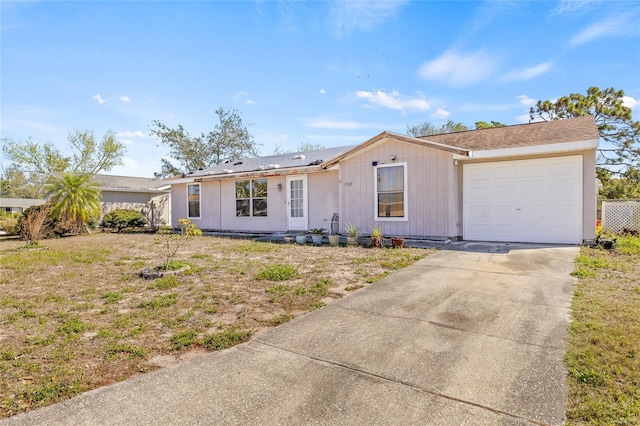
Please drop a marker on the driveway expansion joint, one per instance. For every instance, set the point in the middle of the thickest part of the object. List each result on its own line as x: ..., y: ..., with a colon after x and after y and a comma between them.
x: 513, y: 274
x: 403, y: 383
x: 464, y: 330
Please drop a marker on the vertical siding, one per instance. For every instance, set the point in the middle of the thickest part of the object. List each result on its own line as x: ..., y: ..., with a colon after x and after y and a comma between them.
x: 589, y: 195
x: 431, y: 190
x: 276, y: 219
x: 178, y: 202
x: 323, y: 198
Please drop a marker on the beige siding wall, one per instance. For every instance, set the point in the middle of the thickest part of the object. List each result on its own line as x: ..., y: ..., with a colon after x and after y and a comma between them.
x: 589, y: 194
x: 218, y: 204
x: 154, y: 207
x: 431, y: 183
x: 323, y: 198
x: 276, y: 213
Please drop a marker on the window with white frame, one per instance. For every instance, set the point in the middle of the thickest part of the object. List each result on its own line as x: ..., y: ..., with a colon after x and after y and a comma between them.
x: 251, y: 198
x: 193, y: 199
x: 391, y: 191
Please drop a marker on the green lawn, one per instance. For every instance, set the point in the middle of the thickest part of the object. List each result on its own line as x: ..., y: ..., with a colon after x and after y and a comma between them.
x: 603, y: 357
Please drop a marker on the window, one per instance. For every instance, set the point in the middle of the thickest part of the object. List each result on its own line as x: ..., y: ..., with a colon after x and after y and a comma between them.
x: 251, y: 198
x: 193, y: 199
x: 390, y: 192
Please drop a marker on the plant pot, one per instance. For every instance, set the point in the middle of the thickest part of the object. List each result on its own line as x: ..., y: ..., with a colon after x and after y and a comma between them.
x: 301, y: 239
x: 334, y: 240
x: 317, y: 239
x: 288, y: 239
x: 397, y: 242
x: 352, y: 241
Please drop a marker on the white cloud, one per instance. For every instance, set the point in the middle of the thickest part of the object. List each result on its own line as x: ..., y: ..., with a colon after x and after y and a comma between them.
x: 99, y: 99
x: 129, y: 134
x: 620, y: 25
x: 322, y: 91
x: 240, y: 94
x: 125, y: 98
x: 630, y: 102
x: 572, y: 7
x: 441, y: 113
x: 284, y: 137
x: 351, y: 15
x: 393, y: 100
x: 251, y: 102
x: 527, y: 73
x: 460, y: 68
x: 525, y: 100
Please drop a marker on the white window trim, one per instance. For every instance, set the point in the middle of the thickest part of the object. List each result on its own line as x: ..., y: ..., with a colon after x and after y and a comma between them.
x: 405, y: 195
x: 199, y: 200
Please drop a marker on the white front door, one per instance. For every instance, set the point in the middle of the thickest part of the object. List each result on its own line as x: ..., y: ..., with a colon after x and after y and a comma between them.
x: 297, y: 215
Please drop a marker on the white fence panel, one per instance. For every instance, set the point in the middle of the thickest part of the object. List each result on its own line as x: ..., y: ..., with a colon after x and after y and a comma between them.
x: 620, y: 215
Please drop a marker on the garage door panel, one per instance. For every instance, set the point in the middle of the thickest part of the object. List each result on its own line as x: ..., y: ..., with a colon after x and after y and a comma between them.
x: 524, y: 200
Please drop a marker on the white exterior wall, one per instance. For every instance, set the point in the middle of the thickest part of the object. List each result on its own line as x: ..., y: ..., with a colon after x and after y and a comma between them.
x: 433, y: 208
x: 153, y: 206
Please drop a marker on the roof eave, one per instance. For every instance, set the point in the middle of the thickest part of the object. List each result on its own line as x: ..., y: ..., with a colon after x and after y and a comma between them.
x: 555, y: 148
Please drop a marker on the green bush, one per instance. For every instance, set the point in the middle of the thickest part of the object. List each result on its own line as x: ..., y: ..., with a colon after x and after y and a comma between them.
x: 123, y: 218
x: 277, y: 272
x: 9, y: 222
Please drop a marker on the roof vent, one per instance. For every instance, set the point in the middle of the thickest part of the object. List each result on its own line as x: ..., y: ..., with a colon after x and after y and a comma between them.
x: 237, y: 163
x: 227, y: 170
x: 299, y: 157
x: 316, y: 163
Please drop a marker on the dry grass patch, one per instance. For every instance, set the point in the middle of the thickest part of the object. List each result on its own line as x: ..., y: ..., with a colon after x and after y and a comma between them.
x: 603, y: 356
x: 75, y: 315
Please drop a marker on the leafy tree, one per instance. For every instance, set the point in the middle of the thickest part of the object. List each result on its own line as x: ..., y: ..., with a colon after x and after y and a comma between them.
x: 614, y: 121
x: 484, y: 125
x: 303, y: 147
x: 229, y: 140
x: 33, y: 163
x: 624, y: 186
x: 426, y: 128
x: 75, y: 198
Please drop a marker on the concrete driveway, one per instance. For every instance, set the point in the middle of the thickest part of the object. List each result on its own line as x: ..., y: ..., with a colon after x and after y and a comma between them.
x: 474, y: 334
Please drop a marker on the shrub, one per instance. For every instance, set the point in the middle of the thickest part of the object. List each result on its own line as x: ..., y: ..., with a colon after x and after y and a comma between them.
x: 9, y: 222
x: 172, y: 242
x: 34, y: 224
x: 123, y: 218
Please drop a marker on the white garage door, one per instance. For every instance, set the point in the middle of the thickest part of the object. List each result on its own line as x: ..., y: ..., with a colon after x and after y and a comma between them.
x: 536, y: 201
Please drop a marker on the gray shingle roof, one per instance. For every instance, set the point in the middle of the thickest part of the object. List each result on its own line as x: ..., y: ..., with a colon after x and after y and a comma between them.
x: 521, y: 135
x: 273, y: 162
x: 121, y: 183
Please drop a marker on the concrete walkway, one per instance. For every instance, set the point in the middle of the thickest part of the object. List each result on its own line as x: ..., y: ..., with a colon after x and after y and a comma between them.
x: 471, y: 335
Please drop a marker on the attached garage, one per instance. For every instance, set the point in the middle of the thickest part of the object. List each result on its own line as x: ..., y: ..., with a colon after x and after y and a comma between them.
x: 537, y: 200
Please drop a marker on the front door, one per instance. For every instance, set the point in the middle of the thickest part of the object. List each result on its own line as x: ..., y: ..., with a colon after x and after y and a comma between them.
x: 297, y: 216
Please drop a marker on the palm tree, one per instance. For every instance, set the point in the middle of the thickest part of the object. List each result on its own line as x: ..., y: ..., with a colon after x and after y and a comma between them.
x: 75, y: 198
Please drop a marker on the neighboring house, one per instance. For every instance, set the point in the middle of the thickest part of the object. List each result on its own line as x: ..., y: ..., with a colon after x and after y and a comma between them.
x: 151, y: 197
x: 18, y: 205
x: 525, y: 183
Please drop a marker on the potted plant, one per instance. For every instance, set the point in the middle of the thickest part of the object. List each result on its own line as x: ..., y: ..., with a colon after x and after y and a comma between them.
x: 334, y: 240
x: 301, y: 238
x: 316, y: 235
x: 352, y: 233
x: 397, y: 242
x: 376, y: 236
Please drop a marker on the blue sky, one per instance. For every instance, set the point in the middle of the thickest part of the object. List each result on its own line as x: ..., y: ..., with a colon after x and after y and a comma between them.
x: 330, y: 72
